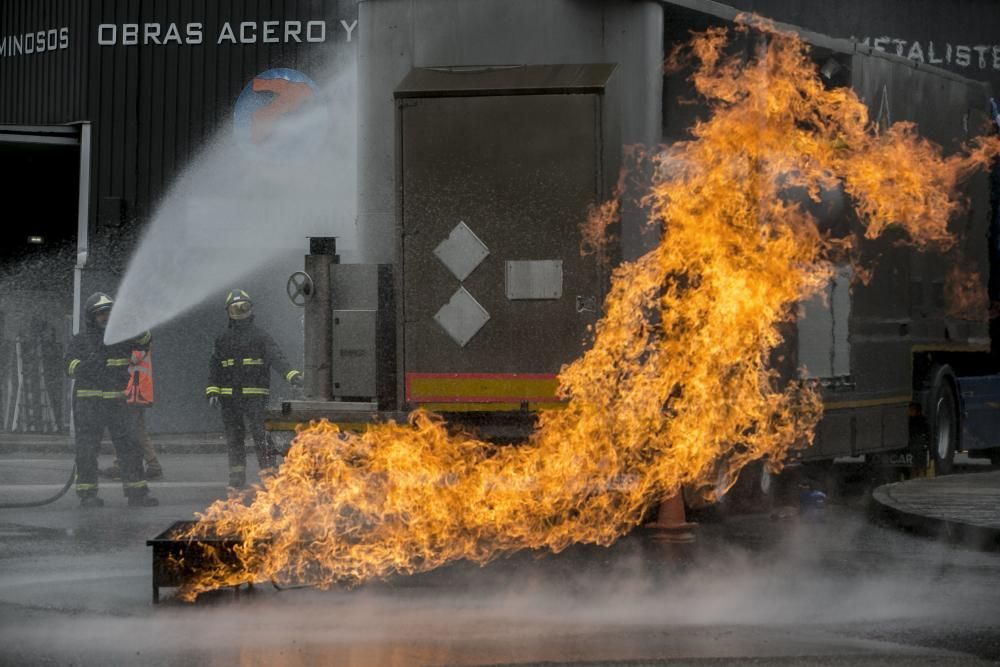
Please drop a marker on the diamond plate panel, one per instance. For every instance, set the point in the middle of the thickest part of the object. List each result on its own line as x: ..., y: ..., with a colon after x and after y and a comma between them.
x: 462, y: 317
x: 462, y: 251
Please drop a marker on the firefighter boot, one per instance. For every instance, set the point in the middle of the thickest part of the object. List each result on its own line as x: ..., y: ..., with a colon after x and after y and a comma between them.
x: 91, y: 502
x: 154, y: 470
x: 113, y: 471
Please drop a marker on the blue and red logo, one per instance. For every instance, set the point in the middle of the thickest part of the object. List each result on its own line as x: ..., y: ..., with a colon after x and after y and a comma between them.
x: 280, y: 116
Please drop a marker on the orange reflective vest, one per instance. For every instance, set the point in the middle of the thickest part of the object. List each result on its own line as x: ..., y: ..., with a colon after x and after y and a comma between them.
x: 140, y: 379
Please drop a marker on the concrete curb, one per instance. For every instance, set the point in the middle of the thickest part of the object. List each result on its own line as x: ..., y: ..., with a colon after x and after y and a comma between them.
x: 961, y: 509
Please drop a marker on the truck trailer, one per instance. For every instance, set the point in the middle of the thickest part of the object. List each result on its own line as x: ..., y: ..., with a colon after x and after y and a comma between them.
x: 487, y: 137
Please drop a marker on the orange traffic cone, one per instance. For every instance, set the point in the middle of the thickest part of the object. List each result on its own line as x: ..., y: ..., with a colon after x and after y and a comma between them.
x: 671, y: 524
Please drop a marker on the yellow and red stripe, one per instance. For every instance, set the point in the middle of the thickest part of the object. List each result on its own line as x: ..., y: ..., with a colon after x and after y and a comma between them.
x: 482, y: 391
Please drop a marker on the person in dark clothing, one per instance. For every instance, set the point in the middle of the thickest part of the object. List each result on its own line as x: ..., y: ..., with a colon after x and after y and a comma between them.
x: 139, y: 398
x: 239, y: 383
x: 100, y: 373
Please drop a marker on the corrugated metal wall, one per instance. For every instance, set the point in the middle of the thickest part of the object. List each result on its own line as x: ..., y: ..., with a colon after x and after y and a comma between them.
x: 159, y: 104
x: 43, y: 88
x: 152, y: 106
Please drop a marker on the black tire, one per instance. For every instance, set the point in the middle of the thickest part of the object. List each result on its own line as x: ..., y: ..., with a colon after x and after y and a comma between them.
x: 941, y: 415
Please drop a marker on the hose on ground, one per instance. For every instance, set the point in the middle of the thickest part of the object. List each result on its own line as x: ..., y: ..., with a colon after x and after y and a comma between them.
x: 45, y: 501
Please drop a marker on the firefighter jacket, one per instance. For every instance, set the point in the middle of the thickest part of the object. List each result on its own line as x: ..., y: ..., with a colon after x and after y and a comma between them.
x: 242, y: 360
x: 101, y: 371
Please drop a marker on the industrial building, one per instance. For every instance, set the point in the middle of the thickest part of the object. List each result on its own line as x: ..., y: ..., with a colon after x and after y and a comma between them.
x: 106, y: 104
x: 103, y: 105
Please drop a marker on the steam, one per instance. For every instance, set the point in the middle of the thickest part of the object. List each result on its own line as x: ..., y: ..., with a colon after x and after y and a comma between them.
x: 814, y: 589
x: 235, y: 209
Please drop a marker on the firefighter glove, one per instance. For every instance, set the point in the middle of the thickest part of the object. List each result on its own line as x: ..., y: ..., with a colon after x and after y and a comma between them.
x: 296, y: 380
x: 214, y: 402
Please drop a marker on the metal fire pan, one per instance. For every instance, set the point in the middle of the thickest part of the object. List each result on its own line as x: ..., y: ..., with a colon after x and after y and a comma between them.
x: 177, y: 560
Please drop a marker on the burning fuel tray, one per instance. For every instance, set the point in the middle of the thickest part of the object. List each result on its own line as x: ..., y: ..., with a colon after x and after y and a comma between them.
x: 177, y: 559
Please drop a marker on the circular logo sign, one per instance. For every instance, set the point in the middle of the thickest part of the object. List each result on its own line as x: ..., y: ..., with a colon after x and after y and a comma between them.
x: 280, y: 116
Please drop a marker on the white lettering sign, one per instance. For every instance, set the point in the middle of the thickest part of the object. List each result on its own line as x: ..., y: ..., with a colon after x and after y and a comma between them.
x: 230, y: 32
x: 133, y: 34
x: 316, y: 31
x: 974, y: 56
x: 34, y: 43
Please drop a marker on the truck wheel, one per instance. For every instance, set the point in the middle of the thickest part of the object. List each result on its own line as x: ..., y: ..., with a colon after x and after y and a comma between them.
x: 752, y: 493
x: 942, y: 420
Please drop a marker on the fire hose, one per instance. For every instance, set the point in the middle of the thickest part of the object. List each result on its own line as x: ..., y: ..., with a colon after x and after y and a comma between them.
x: 45, y: 501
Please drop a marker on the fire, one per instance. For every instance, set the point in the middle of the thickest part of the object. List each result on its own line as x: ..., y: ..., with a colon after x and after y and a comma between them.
x: 599, y: 230
x: 675, y: 389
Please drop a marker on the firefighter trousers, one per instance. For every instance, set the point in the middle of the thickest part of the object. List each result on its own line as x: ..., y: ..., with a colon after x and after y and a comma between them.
x: 91, y: 417
x: 236, y: 411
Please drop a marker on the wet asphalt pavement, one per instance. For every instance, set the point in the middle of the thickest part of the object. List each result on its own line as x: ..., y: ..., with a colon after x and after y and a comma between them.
x: 834, y: 589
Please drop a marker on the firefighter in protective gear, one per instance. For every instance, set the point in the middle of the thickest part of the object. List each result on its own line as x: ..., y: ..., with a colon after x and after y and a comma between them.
x: 239, y: 383
x: 139, y: 398
x: 100, y: 373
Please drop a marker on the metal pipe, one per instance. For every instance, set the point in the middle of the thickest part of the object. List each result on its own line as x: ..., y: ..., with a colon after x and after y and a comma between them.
x: 319, y: 325
x: 82, y: 223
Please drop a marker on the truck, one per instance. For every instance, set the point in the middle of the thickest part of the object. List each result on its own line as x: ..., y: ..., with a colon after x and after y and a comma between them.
x: 480, y: 155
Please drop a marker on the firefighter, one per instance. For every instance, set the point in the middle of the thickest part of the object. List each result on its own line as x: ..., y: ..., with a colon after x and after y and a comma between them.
x: 101, y: 374
x: 239, y: 383
x: 139, y: 397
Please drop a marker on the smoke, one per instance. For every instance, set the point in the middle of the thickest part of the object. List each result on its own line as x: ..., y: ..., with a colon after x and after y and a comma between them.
x: 798, y: 589
x: 241, y: 205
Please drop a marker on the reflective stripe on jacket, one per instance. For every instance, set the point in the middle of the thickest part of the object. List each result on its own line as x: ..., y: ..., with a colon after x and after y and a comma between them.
x: 242, y: 360
x: 99, y: 370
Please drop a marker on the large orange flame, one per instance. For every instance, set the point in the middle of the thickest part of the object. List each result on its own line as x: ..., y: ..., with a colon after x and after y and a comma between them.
x: 676, y: 388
